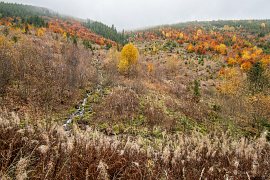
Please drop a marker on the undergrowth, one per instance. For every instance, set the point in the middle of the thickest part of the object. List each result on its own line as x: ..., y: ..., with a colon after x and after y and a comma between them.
x: 40, y: 151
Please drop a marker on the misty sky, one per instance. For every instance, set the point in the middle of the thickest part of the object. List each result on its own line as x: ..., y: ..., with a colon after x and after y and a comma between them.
x: 133, y: 14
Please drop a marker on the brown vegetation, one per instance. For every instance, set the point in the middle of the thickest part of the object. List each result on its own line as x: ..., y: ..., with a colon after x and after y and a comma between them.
x: 120, y: 104
x: 43, y: 77
x: 35, y: 152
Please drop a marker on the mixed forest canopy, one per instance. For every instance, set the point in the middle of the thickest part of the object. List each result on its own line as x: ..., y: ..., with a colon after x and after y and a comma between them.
x: 38, y: 17
x: 256, y: 28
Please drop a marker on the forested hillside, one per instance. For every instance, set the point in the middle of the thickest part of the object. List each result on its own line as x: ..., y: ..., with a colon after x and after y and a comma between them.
x: 107, y: 32
x: 20, y: 10
x: 40, y: 17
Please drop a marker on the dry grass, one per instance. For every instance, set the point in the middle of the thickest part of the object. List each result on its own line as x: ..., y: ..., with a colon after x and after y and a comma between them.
x: 121, y: 104
x: 34, y: 152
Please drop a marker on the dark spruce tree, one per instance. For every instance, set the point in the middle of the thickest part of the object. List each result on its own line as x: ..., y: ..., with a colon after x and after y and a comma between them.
x: 107, y: 32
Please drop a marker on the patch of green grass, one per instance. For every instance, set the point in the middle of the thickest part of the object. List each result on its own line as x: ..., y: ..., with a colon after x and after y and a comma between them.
x: 157, y: 132
x: 107, y: 90
x: 186, y: 123
x: 138, y: 121
x: 103, y: 126
x: 118, y: 128
x: 77, y: 118
x: 72, y: 110
x: 88, y: 115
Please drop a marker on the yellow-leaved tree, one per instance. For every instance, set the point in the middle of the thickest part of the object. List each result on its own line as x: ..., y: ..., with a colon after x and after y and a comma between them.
x: 222, y: 49
x: 234, y: 38
x: 231, y: 61
x: 40, y: 32
x: 129, y: 58
x: 190, y: 48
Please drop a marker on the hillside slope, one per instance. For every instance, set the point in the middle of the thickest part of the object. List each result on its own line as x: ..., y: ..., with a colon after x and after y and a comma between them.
x: 187, y: 102
x: 19, y: 14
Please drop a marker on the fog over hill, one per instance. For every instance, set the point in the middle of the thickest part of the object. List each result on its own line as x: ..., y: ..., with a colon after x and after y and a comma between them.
x: 133, y: 14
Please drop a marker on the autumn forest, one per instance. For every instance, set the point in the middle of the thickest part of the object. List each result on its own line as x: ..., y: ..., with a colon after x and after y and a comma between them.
x: 80, y: 99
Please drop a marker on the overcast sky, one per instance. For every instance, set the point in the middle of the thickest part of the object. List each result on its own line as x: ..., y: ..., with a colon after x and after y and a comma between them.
x: 133, y: 14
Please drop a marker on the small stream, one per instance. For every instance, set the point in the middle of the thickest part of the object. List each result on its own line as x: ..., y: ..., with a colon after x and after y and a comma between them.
x: 78, y: 113
x: 80, y: 110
